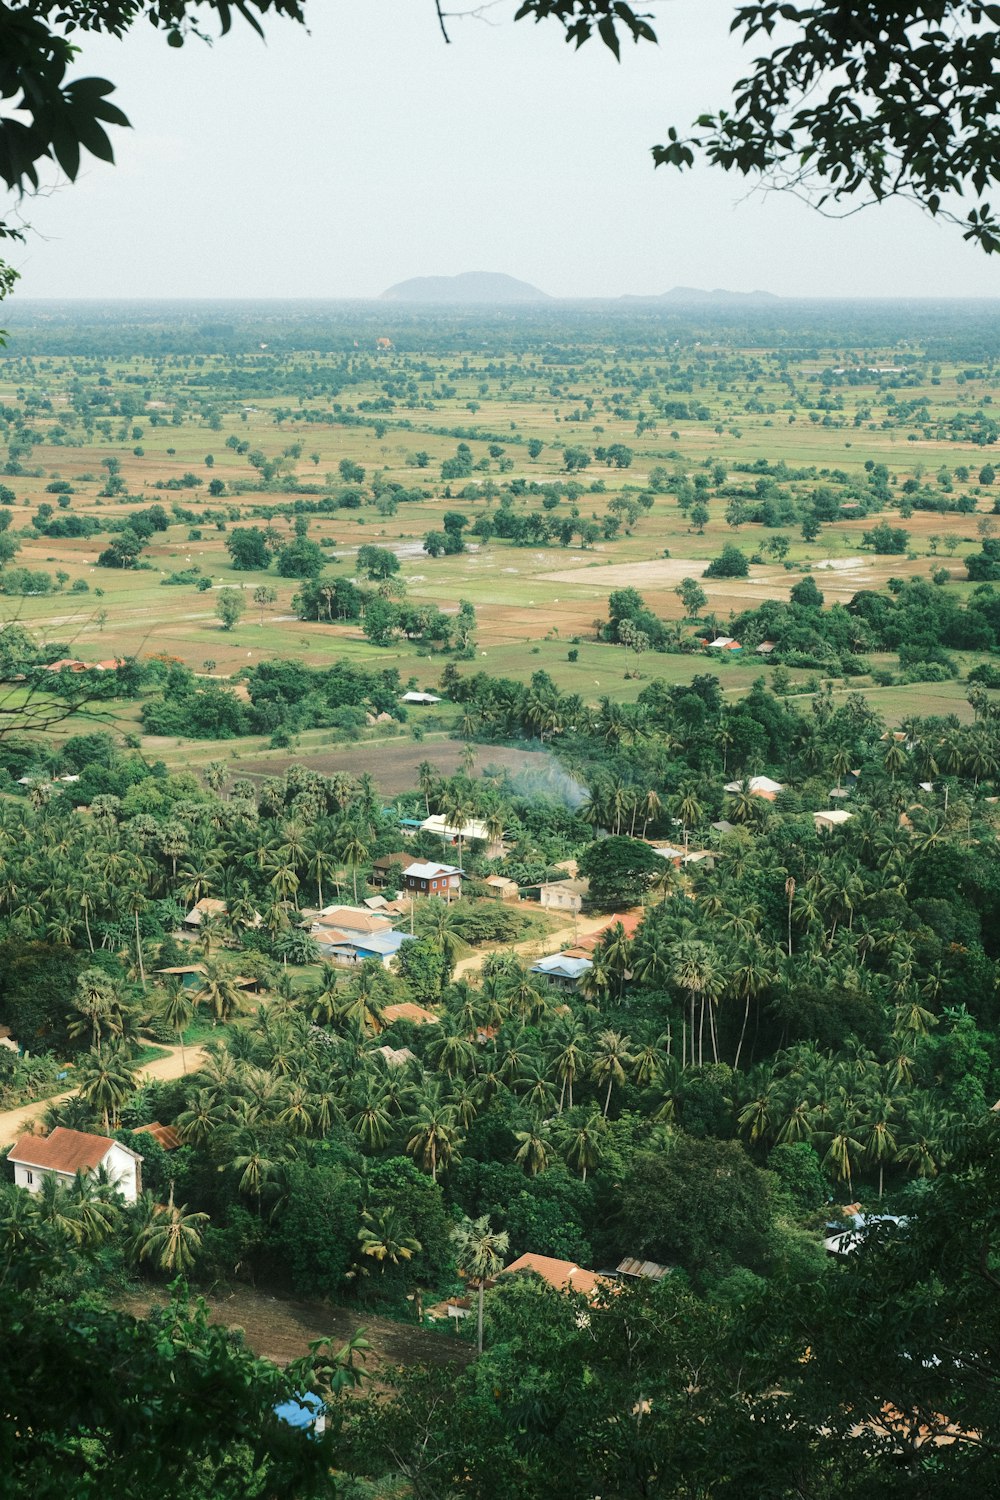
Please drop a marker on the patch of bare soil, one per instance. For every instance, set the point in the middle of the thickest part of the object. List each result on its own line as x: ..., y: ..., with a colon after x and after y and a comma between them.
x: 393, y: 764
x: 281, y: 1329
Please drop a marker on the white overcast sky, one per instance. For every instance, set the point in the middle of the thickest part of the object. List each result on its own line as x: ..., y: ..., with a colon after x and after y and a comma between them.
x: 336, y: 162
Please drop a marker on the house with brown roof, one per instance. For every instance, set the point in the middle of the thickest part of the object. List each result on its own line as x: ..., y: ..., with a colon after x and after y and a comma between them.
x: 407, y: 1011
x: 166, y: 1135
x: 388, y: 869
x: 66, y: 1152
x: 354, y: 919
x: 561, y: 1274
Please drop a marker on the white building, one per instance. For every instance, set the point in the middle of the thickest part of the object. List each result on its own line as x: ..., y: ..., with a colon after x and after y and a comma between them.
x: 438, y: 824
x: 66, y: 1152
x: 563, y: 895
x: 757, y: 786
x: 836, y: 817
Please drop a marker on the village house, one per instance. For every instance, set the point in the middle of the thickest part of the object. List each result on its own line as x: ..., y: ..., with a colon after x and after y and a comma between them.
x: 561, y: 1274
x: 563, y: 969
x: 406, y: 1010
x: 66, y: 1152
x: 473, y: 829
x: 388, y: 869
x: 350, y: 919
x: 836, y: 817
x: 353, y: 947
x: 502, y: 889
x: 564, y: 895
x: 424, y: 878
x: 757, y: 786
x: 165, y: 1135
x: 209, y: 907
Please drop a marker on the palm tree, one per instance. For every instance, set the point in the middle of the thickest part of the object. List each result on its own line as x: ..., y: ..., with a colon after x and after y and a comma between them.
x: 877, y: 1138
x: 217, y: 775
x: 689, y: 810
x: 435, y: 1138
x: 177, y: 1010
x: 453, y: 1054
x: 533, y: 1149
x: 370, y: 1119
x: 256, y: 1167
x: 581, y: 1145
x: 612, y: 1061
x: 568, y: 1059
x: 480, y: 1251
x: 320, y: 865
x: 695, y: 969
x: 204, y: 1116
x: 221, y: 993
x: 107, y: 1077
x: 924, y: 1136
x: 748, y: 980
x: 354, y: 851
x: 94, y: 1007
x: 383, y: 1236
x: 169, y: 1235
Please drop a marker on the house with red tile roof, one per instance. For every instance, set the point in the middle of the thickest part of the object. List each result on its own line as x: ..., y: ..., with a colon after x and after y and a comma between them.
x: 561, y: 1274
x: 66, y: 1152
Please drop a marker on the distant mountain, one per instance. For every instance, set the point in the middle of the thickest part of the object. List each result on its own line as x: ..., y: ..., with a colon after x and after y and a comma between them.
x: 695, y: 294
x: 482, y: 287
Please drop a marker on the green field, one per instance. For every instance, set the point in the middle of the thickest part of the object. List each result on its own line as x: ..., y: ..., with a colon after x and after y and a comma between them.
x: 270, y: 430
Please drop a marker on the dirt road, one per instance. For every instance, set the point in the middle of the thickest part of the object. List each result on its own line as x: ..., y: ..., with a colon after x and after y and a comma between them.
x: 14, y: 1122
x: 537, y: 947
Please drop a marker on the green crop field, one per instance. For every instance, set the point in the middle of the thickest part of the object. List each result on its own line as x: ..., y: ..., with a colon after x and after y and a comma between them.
x: 594, y: 446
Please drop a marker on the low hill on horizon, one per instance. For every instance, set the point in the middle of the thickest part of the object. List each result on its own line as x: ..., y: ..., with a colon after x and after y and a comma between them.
x: 469, y: 287
x: 690, y: 294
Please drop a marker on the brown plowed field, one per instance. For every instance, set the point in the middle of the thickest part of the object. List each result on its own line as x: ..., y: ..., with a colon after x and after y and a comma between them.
x: 394, y: 763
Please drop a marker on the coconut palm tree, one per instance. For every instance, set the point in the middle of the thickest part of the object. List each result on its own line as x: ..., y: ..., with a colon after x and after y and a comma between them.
x: 107, y: 1077
x: 612, y: 1062
x: 383, y: 1237
x: 204, y: 1116
x: 168, y: 1235
x: 93, y: 1007
x: 480, y: 1251
x: 878, y: 1139
x: 220, y: 992
x: 581, y: 1144
x: 435, y: 1137
x: 533, y: 1151
x: 695, y: 969
x: 568, y: 1059
x: 256, y: 1166
x: 452, y: 1053
x: 354, y: 851
x: 369, y: 1117
x: 748, y: 981
x: 690, y: 811
x: 177, y: 1010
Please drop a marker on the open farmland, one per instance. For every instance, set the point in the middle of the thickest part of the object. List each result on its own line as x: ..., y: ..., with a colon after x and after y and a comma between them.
x: 571, y: 456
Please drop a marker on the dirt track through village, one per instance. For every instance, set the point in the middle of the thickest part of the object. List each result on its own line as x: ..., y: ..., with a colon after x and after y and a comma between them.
x: 15, y: 1122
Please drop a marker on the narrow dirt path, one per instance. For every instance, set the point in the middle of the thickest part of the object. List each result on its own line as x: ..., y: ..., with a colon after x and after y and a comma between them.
x: 14, y: 1122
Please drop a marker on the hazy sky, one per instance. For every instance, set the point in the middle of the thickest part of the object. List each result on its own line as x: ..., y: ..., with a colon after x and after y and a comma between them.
x: 334, y: 163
